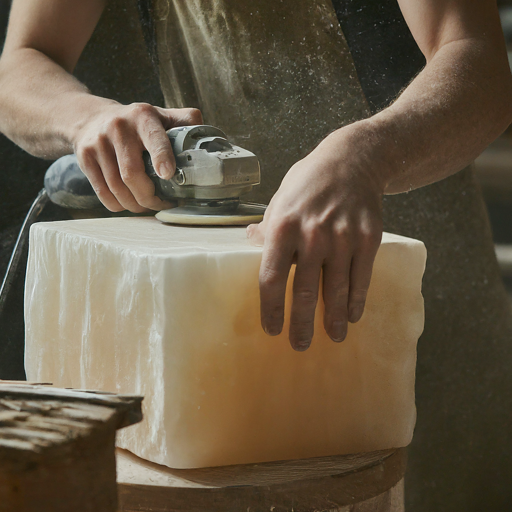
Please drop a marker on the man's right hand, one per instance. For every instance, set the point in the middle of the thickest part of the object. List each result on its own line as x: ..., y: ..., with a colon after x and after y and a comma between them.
x: 109, y: 148
x: 49, y: 113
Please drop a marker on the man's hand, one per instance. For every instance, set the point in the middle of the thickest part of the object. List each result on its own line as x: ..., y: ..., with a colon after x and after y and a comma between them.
x: 60, y: 116
x: 326, y: 214
x: 109, y: 148
x: 326, y: 217
x: 46, y: 111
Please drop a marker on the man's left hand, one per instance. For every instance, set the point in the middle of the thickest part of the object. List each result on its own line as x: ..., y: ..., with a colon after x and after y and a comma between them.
x: 326, y: 217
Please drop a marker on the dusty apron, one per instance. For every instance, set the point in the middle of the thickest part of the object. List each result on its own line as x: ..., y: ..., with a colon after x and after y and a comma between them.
x: 278, y: 76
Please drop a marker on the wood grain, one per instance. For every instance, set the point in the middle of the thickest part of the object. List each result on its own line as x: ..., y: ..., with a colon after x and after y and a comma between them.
x: 326, y: 483
x: 57, y: 448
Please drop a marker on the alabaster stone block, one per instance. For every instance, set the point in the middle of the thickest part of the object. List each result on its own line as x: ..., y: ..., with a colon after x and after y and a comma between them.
x: 130, y: 305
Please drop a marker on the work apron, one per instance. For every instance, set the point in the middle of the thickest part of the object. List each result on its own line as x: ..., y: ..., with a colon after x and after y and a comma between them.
x: 277, y: 77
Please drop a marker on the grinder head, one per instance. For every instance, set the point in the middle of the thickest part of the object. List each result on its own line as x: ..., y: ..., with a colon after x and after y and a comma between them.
x: 211, y: 175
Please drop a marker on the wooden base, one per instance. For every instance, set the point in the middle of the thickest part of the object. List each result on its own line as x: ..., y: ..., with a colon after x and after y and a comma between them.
x: 364, y: 483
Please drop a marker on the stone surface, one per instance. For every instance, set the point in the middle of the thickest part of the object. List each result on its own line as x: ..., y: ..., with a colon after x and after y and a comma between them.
x: 172, y: 313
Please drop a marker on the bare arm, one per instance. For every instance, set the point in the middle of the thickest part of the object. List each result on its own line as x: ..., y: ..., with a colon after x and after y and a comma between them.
x: 49, y: 113
x: 458, y: 104
x: 454, y: 108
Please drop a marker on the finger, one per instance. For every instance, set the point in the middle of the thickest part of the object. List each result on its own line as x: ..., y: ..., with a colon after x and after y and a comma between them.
x: 110, y: 169
x: 133, y: 173
x: 256, y: 232
x: 336, y: 272
x: 154, y: 139
x: 360, y: 277
x: 172, y: 117
x: 158, y: 144
x: 256, y: 235
x: 305, y: 298
x: 92, y: 170
x: 275, y: 267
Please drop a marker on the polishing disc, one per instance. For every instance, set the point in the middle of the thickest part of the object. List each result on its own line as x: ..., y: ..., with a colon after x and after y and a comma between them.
x: 243, y: 215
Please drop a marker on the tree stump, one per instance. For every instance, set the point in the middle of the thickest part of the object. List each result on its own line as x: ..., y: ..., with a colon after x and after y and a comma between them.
x: 57, y: 448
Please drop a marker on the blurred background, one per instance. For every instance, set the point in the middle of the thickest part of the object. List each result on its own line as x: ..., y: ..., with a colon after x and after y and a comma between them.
x: 494, y: 170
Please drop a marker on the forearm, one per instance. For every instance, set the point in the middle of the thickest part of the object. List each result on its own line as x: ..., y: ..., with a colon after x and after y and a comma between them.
x: 49, y: 113
x: 42, y: 107
x: 447, y: 116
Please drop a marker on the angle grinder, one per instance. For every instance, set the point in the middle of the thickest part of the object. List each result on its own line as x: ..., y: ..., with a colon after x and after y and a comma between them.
x: 211, y: 175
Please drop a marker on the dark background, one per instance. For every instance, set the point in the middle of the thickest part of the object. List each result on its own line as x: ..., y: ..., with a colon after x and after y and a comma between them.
x: 21, y: 180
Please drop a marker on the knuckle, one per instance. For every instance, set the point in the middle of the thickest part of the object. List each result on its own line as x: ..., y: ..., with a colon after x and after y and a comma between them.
x: 160, y: 153
x: 117, y: 124
x: 314, y: 237
x: 117, y: 188
x: 142, y: 109
x: 370, y: 237
x: 302, y: 325
x: 101, y: 141
x: 285, y: 225
x: 343, y: 233
x: 114, y: 208
x: 274, y: 312
x: 358, y: 295
x: 194, y: 116
x: 129, y: 174
x: 339, y: 291
x: 100, y: 190
x: 306, y: 295
x: 85, y: 153
x: 150, y: 201
x: 269, y: 277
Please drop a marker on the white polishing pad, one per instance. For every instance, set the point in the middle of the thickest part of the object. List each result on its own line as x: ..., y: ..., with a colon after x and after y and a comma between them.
x: 243, y: 215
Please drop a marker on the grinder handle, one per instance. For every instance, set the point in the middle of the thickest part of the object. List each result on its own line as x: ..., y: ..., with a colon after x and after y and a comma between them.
x: 68, y: 186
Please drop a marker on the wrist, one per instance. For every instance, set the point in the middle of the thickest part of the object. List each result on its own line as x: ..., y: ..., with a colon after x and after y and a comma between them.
x: 369, y: 149
x: 87, y: 108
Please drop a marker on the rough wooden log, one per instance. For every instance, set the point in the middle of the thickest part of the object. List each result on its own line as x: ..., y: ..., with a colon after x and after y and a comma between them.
x: 57, y: 448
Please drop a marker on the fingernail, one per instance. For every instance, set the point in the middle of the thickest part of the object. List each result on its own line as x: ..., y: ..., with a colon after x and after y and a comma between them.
x: 165, y: 170
x: 355, y: 313
x: 301, y: 345
x: 272, y: 330
x: 338, y: 331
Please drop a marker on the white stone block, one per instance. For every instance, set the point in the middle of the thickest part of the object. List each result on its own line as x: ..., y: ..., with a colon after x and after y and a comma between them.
x: 130, y: 305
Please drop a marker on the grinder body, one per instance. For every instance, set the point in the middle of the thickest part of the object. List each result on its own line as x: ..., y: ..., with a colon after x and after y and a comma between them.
x: 211, y: 175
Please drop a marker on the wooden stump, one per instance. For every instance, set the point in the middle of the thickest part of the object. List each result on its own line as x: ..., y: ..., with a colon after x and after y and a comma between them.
x: 57, y: 448
x: 370, y: 482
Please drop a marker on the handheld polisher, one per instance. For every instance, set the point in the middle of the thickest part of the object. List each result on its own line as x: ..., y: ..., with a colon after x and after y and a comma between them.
x: 211, y: 175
